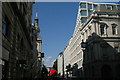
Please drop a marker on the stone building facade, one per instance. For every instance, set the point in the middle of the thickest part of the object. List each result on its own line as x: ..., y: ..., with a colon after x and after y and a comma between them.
x: 38, y: 43
x: 19, y: 46
x: 102, y: 39
x: 100, y: 35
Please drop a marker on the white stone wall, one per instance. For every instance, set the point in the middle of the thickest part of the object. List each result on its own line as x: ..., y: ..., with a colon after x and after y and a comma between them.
x: 66, y: 54
x: 60, y: 64
x: 75, y: 49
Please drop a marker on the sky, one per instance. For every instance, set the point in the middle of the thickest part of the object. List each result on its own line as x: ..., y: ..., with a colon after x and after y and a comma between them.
x: 57, y: 22
x: 77, y: 0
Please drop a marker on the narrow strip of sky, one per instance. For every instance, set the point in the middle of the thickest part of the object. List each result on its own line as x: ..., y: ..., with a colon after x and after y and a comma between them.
x: 77, y: 0
x: 57, y: 21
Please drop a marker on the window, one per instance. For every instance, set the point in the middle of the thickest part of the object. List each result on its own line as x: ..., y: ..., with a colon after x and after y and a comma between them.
x: 114, y: 29
x: 82, y: 5
x: 4, y: 29
x: 89, y: 6
x: 118, y: 7
x: 83, y: 19
x: 83, y: 12
x: 117, y: 49
x: 109, y: 7
x: 94, y: 6
x: 103, y: 29
x: 89, y: 12
x: 90, y: 31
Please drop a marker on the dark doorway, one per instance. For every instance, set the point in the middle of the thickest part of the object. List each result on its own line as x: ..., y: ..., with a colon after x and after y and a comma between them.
x: 106, y: 72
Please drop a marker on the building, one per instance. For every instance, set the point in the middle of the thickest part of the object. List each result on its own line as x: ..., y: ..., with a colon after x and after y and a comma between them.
x: 19, y: 42
x: 38, y: 43
x: 67, y: 58
x: 101, y: 38
x: 94, y: 42
x: 85, y: 9
x: 60, y: 61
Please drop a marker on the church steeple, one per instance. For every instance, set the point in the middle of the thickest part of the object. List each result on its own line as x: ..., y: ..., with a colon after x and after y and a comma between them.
x: 36, y: 18
x: 36, y: 13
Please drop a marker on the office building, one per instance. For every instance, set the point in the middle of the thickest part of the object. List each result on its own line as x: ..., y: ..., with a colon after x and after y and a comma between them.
x: 60, y: 64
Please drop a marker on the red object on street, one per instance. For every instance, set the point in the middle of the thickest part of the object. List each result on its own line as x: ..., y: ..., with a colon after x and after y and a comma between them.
x: 52, y: 72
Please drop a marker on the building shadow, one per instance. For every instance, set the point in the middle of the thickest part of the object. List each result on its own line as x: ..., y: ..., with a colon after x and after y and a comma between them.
x: 75, y: 72
x: 101, y: 58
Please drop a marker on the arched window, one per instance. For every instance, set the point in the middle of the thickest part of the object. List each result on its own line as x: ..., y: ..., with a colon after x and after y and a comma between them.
x: 114, y: 29
x: 103, y: 28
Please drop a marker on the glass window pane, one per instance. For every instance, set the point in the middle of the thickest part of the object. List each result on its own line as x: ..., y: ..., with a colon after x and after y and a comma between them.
x: 89, y: 6
x: 82, y: 5
x: 114, y: 29
x: 94, y: 6
x: 102, y: 26
x: 118, y: 7
x: 89, y: 12
x: 4, y: 29
x: 110, y: 7
x: 83, y: 12
x: 117, y: 49
x: 83, y: 20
